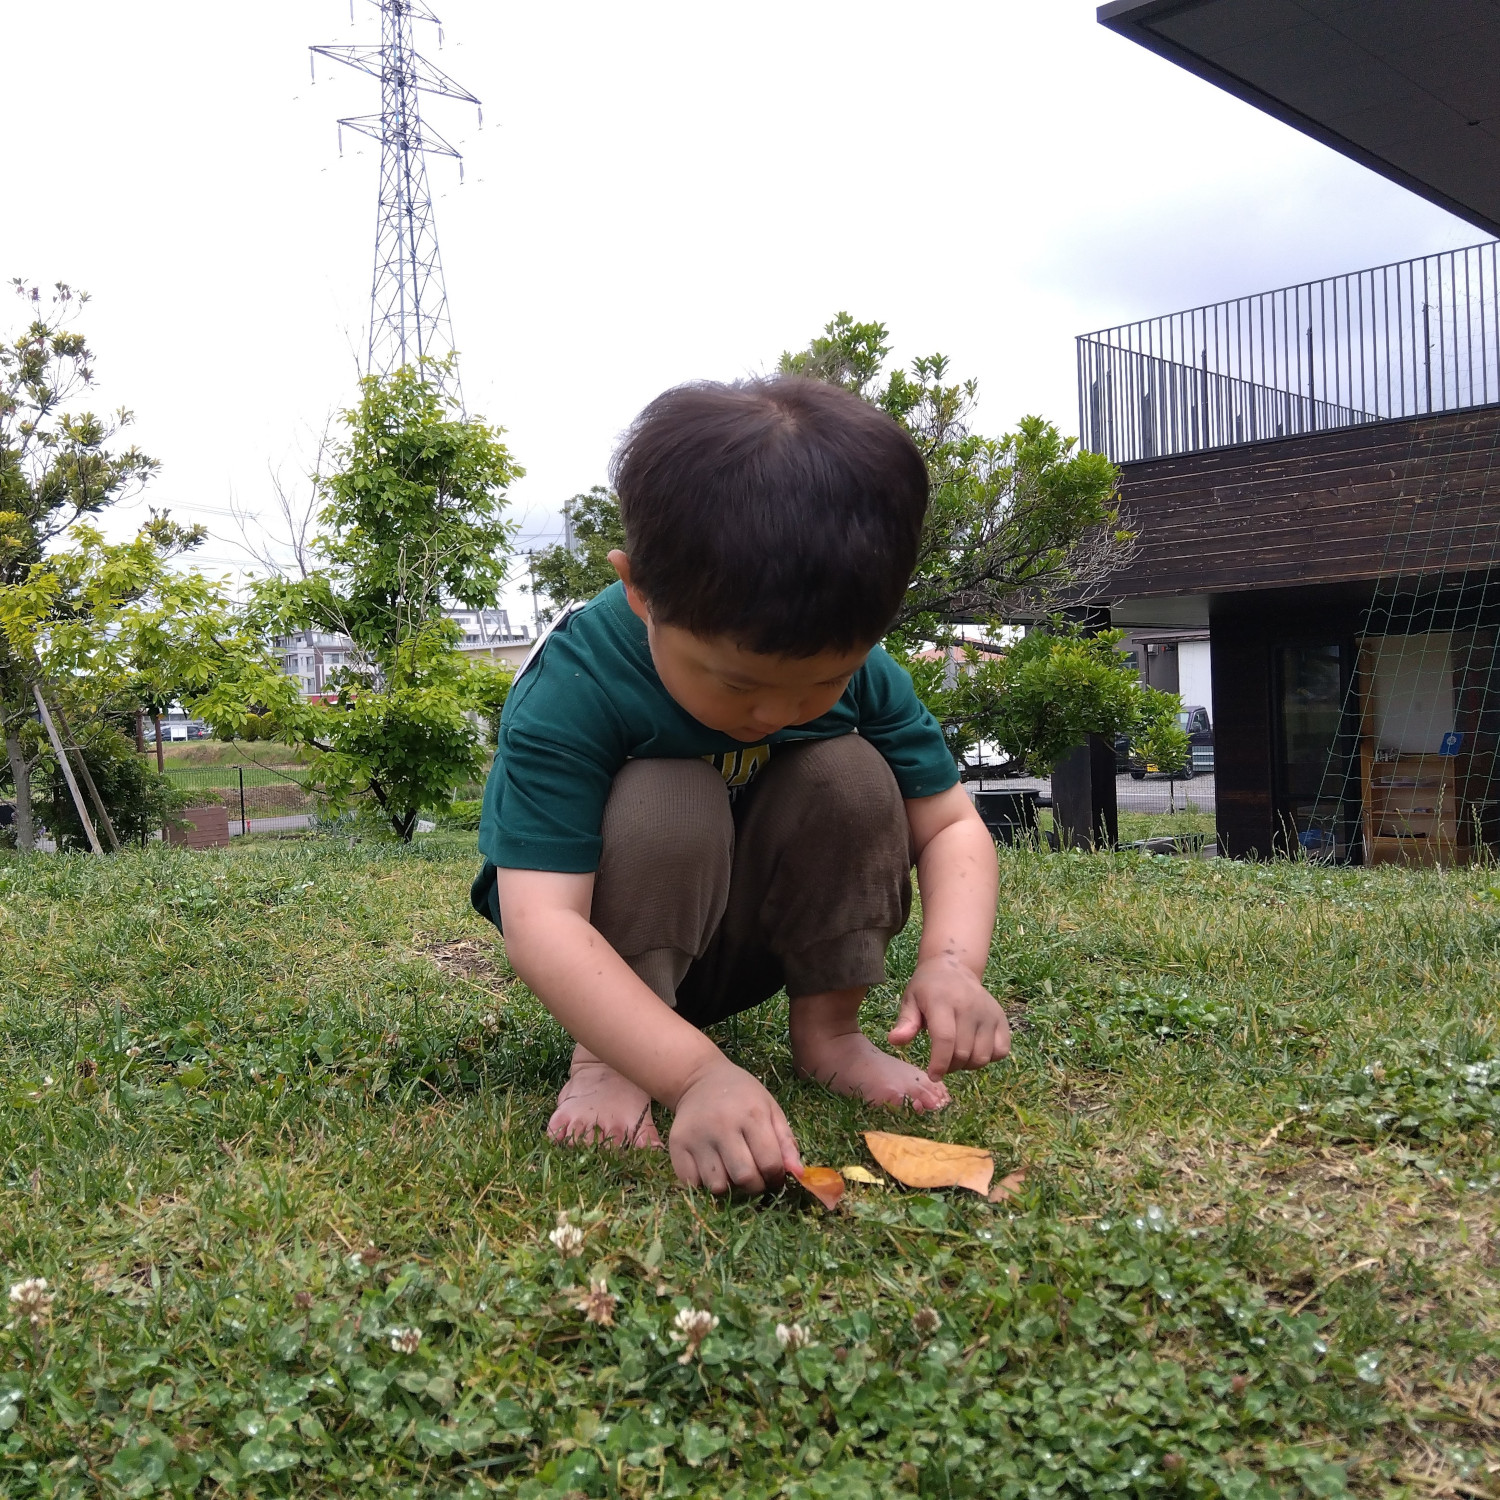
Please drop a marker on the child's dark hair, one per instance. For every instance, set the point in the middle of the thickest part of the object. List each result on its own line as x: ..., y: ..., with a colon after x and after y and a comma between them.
x: 782, y: 513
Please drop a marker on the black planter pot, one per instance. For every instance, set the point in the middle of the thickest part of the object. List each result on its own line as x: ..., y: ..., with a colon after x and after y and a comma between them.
x: 1009, y: 816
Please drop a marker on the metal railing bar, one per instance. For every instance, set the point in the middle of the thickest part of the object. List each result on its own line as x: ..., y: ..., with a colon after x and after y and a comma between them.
x: 1394, y: 265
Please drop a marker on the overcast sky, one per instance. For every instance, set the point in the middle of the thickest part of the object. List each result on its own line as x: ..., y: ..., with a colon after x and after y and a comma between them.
x: 660, y: 191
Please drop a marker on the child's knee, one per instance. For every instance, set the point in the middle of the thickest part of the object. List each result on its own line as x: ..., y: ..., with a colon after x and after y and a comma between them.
x: 667, y: 818
x: 846, y: 783
x: 663, y: 876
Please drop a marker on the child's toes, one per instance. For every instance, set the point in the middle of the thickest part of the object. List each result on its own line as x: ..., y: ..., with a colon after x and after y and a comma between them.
x: 564, y: 1127
x: 645, y: 1135
x: 930, y: 1094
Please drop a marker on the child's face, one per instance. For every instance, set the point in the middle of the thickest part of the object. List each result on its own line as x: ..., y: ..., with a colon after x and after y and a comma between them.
x: 741, y: 693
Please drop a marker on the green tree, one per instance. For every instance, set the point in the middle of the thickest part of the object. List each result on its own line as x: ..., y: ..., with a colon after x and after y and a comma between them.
x: 101, y: 626
x: 58, y: 466
x: 486, y: 687
x: 1019, y: 524
x: 1164, y: 742
x: 566, y: 575
x: 412, y: 520
x: 1056, y: 686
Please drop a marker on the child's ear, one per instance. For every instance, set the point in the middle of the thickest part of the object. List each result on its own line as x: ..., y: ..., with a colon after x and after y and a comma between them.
x: 633, y: 596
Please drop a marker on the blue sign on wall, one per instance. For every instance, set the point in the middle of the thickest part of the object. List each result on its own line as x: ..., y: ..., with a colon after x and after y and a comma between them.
x: 1452, y: 743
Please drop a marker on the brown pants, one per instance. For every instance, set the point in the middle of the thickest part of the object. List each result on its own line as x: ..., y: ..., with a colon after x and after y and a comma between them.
x: 802, y: 881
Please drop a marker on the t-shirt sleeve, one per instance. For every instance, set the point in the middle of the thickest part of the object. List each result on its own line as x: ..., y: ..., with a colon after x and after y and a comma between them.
x: 561, y: 745
x: 902, y: 728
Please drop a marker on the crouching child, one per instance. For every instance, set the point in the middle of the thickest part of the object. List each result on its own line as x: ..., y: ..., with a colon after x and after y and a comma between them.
x: 713, y: 782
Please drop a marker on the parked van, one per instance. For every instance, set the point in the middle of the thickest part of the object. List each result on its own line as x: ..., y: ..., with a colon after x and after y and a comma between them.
x: 1194, y: 719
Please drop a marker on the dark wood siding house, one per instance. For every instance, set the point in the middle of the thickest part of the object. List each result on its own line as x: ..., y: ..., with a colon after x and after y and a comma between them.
x: 1299, y: 553
x: 1314, y: 473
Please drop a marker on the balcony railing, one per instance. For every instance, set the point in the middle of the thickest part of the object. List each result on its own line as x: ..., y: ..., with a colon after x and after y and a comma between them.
x: 1401, y: 340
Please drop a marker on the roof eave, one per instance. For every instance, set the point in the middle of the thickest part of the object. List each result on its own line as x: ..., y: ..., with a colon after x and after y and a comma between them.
x: 1126, y: 17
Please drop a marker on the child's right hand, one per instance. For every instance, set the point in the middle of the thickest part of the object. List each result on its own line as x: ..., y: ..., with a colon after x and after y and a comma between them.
x: 727, y: 1131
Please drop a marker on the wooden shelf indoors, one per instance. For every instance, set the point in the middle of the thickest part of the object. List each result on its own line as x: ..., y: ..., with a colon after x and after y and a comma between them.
x: 1410, y: 809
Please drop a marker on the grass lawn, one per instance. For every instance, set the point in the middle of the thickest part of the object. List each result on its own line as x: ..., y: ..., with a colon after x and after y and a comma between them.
x: 275, y: 780
x: 183, y: 755
x: 229, y: 776
x: 272, y: 1119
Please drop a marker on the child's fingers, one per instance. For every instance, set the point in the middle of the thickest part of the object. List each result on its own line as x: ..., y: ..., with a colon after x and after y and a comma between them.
x: 685, y: 1165
x: 985, y: 1048
x: 1001, y: 1041
x: 741, y: 1162
x: 699, y: 1166
x: 971, y: 1049
x: 711, y: 1173
x: 1001, y: 1046
x: 908, y: 1022
x: 942, y: 1030
x: 991, y: 1040
x: 775, y: 1151
x: 791, y: 1157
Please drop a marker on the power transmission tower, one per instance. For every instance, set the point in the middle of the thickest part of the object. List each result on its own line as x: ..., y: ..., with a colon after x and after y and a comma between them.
x: 408, y: 301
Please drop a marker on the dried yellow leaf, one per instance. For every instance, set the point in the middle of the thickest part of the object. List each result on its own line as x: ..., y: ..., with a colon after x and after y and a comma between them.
x: 920, y: 1163
x: 824, y: 1183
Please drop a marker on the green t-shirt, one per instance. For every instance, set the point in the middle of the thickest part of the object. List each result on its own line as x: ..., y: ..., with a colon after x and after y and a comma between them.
x: 590, y: 699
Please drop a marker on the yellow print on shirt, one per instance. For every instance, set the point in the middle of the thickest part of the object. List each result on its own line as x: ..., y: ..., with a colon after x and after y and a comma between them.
x: 739, y: 767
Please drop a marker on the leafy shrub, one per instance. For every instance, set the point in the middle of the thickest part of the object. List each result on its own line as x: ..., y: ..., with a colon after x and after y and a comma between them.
x: 139, y: 799
x: 463, y: 816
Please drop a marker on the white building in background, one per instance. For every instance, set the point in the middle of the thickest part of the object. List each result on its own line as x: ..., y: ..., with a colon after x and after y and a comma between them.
x: 1176, y: 661
x: 316, y: 657
x: 487, y: 632
x: 312, y: 657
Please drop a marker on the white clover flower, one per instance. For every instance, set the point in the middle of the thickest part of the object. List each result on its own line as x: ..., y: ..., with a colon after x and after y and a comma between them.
x: 32, y: 1300
x: 927, y: 1322
x: 567, y: 1239
x: 693, y: 1325
x: 793, y: 1336
x: 405, y: 1340
x: 599, y: 1305
x: 132, y: 1051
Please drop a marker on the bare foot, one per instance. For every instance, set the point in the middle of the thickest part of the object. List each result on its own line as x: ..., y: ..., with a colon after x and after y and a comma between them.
x: 851, y: 1063
x: 598, y: 1106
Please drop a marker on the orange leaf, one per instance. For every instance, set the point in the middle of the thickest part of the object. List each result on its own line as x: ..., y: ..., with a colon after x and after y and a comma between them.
x: 824, y: 1183
x: 1009, y: 1186
x: 922, y: 1163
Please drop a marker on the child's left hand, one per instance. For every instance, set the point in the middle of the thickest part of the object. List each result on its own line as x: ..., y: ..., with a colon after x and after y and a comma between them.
x: 967, y: 1026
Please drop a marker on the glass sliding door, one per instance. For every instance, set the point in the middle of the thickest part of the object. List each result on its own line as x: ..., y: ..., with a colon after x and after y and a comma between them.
x: 1315, y: 735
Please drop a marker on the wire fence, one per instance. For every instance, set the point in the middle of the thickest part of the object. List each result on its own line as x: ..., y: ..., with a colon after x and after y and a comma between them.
x: 249, y: 794
x: 271, y: 798
x: 1150, y: 794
